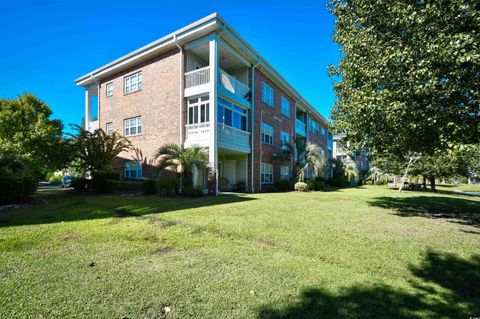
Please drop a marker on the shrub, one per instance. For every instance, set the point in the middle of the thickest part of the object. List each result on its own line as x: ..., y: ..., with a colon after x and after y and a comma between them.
x: 192, y: 191
x: 149, y: 187
x: 168, y: 184
x: 80, y: 184
x: 270, y: 189
x: 338, y: 182
x: 284, y: 186
x: 240, y: 186
x: 16, y: 188
x: 100, y: 181
x: 123, y: 186
x: 368, y: 182
x: 301, y: 187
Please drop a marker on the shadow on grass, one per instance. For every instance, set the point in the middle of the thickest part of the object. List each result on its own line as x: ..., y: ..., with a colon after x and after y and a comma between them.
x: 445, y: 287
x: 461, y: 210
x: 69, y: 206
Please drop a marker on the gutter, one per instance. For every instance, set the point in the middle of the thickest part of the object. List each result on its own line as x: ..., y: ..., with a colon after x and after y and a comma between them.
x: 180, y: 91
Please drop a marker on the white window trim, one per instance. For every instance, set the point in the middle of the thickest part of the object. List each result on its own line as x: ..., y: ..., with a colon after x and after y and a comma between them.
x: 266, y: 130
x: 109, y: 93
x: 138, y: 83
x: 266, y: 169
x: 109, y: 128
x: 136, y: 118
x: 198, y: 105
x: 268, y: 94
x: 285, y: 105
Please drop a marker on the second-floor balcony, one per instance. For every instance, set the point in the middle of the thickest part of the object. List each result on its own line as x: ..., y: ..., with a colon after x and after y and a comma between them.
x: 197, y: 81
x: 227, y: 137
x: 92, y: 126
x: 300, y: 128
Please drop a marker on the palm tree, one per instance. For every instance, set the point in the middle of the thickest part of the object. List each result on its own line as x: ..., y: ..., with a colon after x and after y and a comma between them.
x: 183, y: 160
x: 97, y: 151
x: 312, y: 160
x: 351, y: 170
x: 376, y: 174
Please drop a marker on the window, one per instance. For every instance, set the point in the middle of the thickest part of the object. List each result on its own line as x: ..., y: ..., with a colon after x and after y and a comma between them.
x: 323, y: 152
x: 133, y: 83
x: 268, y: 96
x: 267, y: 134
x: 313, y: 126
x: 132, y: 169
x: 109, y: 128
x: 266, y: 173
x: 231, y: 115
x: 109, y: 89
x: 285, y: 138
x: 285, y: 106
x: 323, y: 132
x: 285, y: 172
x: 133, y: 126
x: 198, y: 110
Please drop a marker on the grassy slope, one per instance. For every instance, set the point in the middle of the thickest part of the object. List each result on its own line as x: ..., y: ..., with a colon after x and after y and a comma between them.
x: 351, y: 253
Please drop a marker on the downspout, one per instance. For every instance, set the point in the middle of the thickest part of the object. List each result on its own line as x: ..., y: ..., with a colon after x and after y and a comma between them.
x: 253, y: 125
x: 180, y: 91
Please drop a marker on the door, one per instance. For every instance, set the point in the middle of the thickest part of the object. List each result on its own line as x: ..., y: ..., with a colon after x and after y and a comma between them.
x: 229, y: 172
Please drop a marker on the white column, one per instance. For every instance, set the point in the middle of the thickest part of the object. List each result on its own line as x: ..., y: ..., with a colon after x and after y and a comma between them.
x: 88, y: 108
x: 212, y: 150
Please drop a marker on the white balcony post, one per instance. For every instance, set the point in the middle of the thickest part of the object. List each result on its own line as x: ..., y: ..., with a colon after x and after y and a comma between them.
x: 212, y: 150
x: 88, y: 108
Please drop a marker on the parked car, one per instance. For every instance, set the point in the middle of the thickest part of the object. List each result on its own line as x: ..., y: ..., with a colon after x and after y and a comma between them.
x: 66, y: 181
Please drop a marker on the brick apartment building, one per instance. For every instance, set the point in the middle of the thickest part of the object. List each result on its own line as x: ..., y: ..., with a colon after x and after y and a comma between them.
x: 204, y: 85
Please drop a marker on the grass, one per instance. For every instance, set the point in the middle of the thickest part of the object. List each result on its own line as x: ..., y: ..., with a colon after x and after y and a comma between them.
x: 351, y: 253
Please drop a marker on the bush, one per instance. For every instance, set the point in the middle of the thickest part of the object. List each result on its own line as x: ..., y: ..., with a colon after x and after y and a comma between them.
x: 240, y: 186
x: 338, y: 182
x: 16, y: 188
x: 149, y: 187
x: 301, y: 187
x: 368, y: 182
x: 270, y: 189
x: 284, y: 186
x: 80, y: 184
x: 168, y: 184
x: 101, y: 181
x: 192, y: 191
x: 123, y: 186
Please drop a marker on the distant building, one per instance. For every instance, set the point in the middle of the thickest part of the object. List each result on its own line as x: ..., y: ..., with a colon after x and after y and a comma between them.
x: 359, y: 156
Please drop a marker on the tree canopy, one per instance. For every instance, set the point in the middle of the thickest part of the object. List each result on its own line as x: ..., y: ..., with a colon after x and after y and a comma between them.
x: 409, y: 77
x: 27, y: 130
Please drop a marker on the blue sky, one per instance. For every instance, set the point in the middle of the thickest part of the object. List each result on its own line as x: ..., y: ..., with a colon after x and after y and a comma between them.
x: 47, y: 44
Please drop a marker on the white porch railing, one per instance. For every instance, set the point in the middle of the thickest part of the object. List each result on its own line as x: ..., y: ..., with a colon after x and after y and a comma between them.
x: 232, y: 135
x: 92, y: 126
x: 197, y: 132
x: 232, y: 84
x: 300, y: 127
x: 197, y: 77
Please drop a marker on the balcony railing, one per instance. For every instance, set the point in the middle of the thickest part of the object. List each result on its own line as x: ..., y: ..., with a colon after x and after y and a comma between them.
x: 197, y: 133
x: 197, y: 77
x: 92, y: 126
x: 233, y: 85
x: 232, y: 135
x: 300, y: 127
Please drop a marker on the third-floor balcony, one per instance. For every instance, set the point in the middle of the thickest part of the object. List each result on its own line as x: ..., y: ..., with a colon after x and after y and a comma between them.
x: 300, y: 128
x: 198, y: 81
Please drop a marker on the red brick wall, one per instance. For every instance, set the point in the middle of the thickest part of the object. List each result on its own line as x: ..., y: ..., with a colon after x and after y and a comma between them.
x: 157, y: 103
x: 274, y: 117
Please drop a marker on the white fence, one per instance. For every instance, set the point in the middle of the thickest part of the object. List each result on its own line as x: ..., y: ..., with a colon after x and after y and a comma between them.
x: 197, y: 77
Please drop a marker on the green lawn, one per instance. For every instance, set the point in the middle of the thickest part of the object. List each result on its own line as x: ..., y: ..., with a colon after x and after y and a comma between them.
x: 352, y: 253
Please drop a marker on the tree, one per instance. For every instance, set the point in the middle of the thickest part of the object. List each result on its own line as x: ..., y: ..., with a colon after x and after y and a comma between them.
x: 409, y: 77
x: 182, y: 160
x: 312, y: 160
x: 350, y: 169
x: 97, y: 151
x: 27, y: 130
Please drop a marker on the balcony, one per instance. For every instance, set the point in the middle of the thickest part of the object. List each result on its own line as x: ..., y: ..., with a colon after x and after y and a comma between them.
x: 197, y: 134
x: 232, y: 85
x: 227, y: 137
x: 197, y: 81
x: 232, y: 138
x: 92, y: 126
x: 300, y: 128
